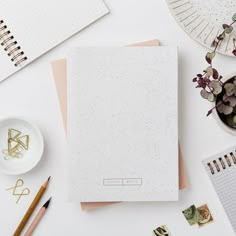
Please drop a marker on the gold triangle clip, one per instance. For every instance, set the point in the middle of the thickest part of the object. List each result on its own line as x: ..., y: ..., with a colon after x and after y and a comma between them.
x: 13, y: 133
x: 12, y: 145
x: 24, y: 141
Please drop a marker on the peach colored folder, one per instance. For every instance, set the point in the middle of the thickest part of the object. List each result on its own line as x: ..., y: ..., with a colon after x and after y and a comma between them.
x: 59, y: 69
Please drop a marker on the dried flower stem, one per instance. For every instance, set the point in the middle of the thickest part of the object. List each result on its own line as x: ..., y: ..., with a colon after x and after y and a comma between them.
x: 210, y: 80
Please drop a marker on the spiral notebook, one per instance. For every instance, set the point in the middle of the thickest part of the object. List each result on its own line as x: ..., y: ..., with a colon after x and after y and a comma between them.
x: 221, y: 169
x: 29, y: 28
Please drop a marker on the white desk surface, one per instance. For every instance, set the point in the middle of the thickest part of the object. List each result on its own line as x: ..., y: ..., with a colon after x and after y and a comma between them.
x: 31, y: 94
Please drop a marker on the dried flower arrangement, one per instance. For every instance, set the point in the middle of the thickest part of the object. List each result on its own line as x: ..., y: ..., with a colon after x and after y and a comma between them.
x: 212, y: 87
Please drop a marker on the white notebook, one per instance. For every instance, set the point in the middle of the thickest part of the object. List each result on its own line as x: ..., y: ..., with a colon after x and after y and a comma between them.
x: 221, y: 169
x: 122, y: 124
x: 30, y: 28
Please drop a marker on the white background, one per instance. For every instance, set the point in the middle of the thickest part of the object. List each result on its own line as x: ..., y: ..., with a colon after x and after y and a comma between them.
x: 31, y: 94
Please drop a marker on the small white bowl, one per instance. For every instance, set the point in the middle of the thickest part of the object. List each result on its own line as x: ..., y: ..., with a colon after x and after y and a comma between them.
x: 31, y: 157
x: 225, y: 127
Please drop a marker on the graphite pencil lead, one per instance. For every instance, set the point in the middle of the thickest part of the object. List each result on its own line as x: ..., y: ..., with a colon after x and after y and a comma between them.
x: 46, y: 204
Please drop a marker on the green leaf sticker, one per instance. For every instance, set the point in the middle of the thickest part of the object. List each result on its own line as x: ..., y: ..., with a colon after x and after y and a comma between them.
x: 192, y: 215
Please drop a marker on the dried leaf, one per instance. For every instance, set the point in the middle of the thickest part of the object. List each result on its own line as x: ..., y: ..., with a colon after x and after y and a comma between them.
x: 209, y: 71
x: 215, y: 74
x: 217, y: 88
x: 211, y: 97
x: 230, y: 89
x: 221, y: 36
x: 228, y: 110
x: 225, y: 26
x: 214, y: 43
x: 234, y: 52
x: 224, y: 109
x: 228, y: 28
x: 201, y: 83
x: 231, y: 100
x: 234, y: 81
x: 234, y: 17
x: 204, y: 93
x: 207, y: 95
x: 210, y: 56
x: 207, y: 80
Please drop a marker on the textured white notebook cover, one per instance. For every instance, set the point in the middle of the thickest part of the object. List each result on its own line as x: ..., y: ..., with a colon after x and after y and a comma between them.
x: 122, y: 124
x: 221, y: 169
x: 38, y: 26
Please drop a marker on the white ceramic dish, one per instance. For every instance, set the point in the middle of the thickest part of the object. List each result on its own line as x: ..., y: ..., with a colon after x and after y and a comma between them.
x: 202, y: 20
x: 17, y: 166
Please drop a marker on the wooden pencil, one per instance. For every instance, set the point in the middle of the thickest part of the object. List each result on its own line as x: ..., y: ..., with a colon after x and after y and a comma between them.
x: 31, y: 208
x: 37, y: 218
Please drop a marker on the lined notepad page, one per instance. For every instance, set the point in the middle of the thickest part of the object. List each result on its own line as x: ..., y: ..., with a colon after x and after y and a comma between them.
x: 221, y: 169
x: 38, y: 26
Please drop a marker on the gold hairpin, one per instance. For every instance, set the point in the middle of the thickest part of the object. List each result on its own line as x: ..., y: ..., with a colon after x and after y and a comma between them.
x: 18, y: 184
x: 24, y: 192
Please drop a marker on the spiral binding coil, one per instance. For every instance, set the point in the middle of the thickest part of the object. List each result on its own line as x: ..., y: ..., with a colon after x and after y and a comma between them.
x: 10, y: 45
x: 223, y: 162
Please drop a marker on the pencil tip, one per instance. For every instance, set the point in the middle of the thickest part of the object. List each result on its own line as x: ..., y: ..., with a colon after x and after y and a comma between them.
x: 47, y: 203
x: 49, y: 178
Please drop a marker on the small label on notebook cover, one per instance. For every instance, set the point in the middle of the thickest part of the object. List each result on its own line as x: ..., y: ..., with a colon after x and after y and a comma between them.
x: 122, y: 182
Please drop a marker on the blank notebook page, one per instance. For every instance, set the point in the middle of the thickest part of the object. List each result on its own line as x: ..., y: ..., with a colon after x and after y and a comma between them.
x: 221, y: 169
x: 38, y: 26
x: 122, y: 124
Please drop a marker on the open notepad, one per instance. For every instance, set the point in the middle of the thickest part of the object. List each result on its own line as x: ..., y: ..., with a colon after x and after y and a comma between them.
x: 29, y: 28
x: 122, y: 124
